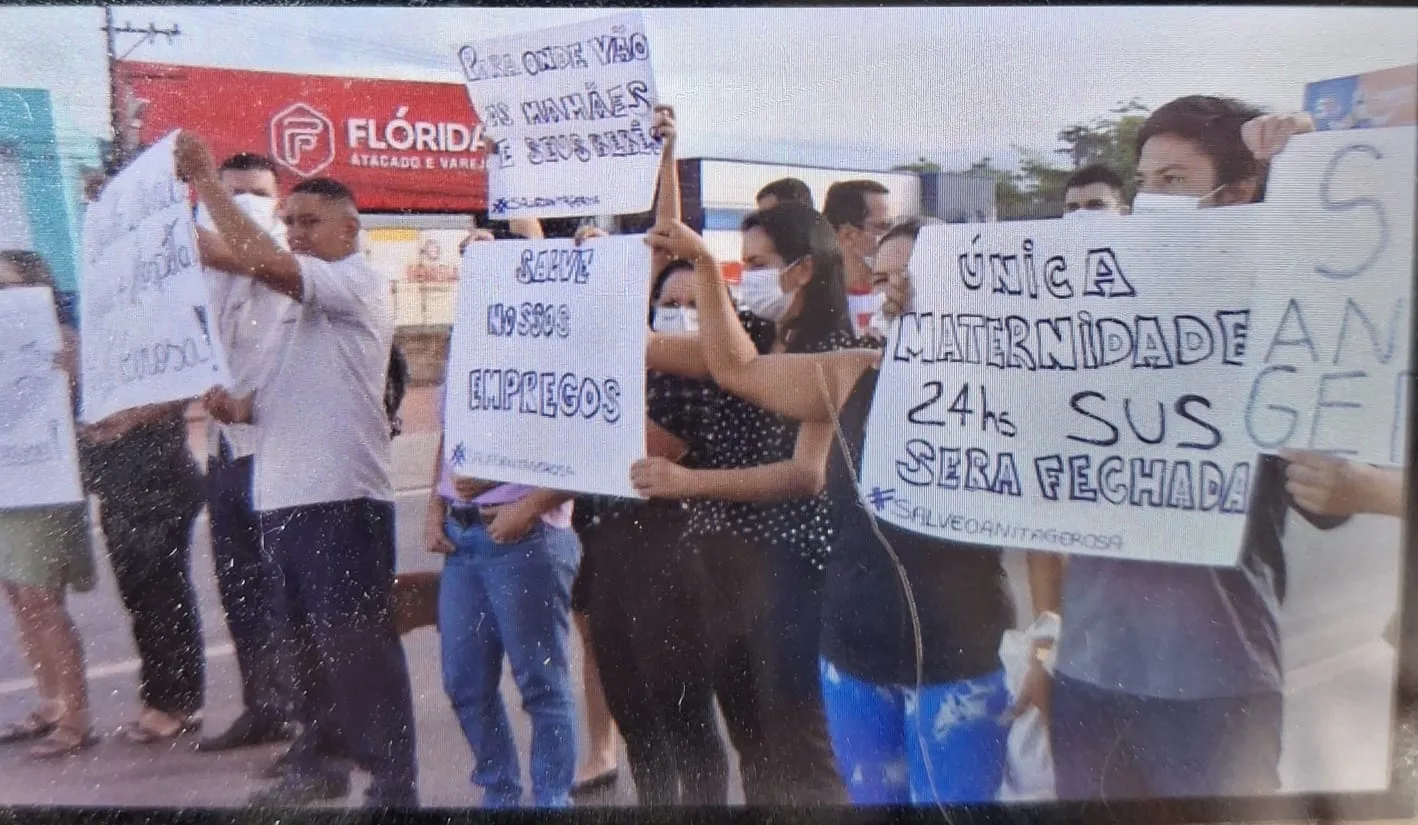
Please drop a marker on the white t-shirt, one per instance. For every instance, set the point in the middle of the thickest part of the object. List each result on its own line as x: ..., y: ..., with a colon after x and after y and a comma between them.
x: 324, y: 434
x: 862, y: 307
x: 249, y: 322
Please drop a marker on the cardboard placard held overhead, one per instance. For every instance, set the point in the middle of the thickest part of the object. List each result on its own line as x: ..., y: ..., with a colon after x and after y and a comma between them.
x: 570, y: 110
x: 145, y: 314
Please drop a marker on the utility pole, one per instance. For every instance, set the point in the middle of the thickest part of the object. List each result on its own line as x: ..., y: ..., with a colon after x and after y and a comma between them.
x: 120, y: 107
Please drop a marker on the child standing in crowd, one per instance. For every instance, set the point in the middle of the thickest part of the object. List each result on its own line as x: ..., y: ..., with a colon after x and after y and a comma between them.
x: 45, y: 551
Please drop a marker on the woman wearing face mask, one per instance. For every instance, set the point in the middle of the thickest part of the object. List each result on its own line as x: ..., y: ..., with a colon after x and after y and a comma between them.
x: 43, y: 552
x: 757, y: 519
x: 643, y: 594
x: 912, y: 625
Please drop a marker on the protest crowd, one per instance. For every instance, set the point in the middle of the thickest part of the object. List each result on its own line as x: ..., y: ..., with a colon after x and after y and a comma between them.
x: 850, y: 660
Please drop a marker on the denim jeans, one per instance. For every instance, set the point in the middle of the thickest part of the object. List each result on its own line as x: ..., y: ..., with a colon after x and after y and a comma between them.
x: 1110, y: 745
x: 512, y: 599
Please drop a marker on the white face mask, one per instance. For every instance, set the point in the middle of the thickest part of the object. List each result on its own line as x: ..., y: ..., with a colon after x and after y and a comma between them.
x: 259, y: 208
x: 1090, y: 214
x: 1145, y: 203
x: 762, y: 292
x: 675, y: 319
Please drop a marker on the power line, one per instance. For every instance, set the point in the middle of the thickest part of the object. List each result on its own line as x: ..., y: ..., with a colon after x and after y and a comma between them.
x: 122, y: 108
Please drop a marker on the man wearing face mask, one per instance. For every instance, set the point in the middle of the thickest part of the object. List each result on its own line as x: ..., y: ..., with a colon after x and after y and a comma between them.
x: 1169, y: 680
x: 321, y: 483
x: 1094, y: 190
x: 860, y: 215
x: 249, y: 322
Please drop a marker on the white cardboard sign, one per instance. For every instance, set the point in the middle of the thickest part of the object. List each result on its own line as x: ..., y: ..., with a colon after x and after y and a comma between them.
x: 546, y: 367
x: 1106, y: 386
x: 39, y: 461
x: 145, y: 316
x: 571, y: 110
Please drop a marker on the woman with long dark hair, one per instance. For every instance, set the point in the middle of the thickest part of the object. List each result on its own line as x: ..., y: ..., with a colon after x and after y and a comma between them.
x: 758, y: 521
x: 909, y: 669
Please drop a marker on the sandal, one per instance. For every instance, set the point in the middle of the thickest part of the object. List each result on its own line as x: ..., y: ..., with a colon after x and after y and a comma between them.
x: 63, y: 741
x: 139, y: 733
x: 34, y: 726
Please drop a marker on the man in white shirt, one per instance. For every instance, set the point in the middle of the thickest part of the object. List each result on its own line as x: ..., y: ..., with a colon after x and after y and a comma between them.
x: 322, y: 483
x: 859, y: 213
x: 248, y: 320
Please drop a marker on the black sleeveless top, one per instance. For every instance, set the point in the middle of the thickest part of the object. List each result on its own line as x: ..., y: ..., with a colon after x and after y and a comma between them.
x: 961, y: 594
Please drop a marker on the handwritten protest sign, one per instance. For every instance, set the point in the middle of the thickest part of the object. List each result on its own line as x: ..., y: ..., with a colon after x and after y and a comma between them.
x: 1106, y: 386
x: 571, y: 110
x: 546, y: 368
x: 39, y: 463
x: 144, y: 313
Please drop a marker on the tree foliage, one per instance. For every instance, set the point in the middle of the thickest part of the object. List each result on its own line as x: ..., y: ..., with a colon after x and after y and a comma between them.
x: 1035, y: 189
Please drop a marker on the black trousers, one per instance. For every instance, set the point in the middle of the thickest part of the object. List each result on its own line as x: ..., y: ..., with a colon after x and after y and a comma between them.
x: 351, y: 680
x: 150, y: 549
x: 644, y: 599
x: 246, y: 581
x: 764, y: 617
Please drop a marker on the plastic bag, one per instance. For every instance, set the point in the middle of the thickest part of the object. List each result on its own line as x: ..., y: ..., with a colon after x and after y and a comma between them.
x: 1029, y: 763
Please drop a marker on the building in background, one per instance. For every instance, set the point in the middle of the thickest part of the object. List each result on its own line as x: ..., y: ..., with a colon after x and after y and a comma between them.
x: 409, y: 151
x: 42, y: 161
x: 1388, y: 97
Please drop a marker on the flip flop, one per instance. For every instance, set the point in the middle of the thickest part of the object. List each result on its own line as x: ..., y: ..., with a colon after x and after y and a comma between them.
x: 33, y: 727
x: 63, y: 741
x: 137, y: 733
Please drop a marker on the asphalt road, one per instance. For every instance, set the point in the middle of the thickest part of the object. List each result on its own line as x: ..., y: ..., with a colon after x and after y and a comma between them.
x: 1343, y: 588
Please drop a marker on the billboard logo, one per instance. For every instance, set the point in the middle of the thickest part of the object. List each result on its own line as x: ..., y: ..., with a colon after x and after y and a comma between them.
x: 302, y: 139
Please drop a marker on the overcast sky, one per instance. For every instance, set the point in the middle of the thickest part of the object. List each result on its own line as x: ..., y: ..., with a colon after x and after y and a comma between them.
x: 835, y: 86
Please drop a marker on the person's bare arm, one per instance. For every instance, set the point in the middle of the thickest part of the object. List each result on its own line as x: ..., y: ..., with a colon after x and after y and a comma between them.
x: 802, y: 476
x: 1045, y: 581
x: 1329, y: 485
x: 805, y: 387
x: 667, y: 203
x: 249, y: 250
x: 676, y: 355
x: 435, y: 539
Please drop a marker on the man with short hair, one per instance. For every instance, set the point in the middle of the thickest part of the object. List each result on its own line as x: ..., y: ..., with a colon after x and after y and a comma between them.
x: 1094, y: 188
x: 322, y: 482
x: 248, y: 321
x: 1169, y: 680
x: 783, y: 190
x: 860, y: 214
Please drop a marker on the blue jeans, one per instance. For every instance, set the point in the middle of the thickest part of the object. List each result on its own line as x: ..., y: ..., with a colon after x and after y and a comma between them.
x: 512, y: 599
x: 1111, y: 745
x: 895, y: 745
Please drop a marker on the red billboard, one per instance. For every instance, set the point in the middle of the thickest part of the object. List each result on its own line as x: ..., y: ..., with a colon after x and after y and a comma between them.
x: 400, y: 145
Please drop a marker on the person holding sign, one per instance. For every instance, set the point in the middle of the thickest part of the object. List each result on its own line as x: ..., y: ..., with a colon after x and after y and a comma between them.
x: 759, y: 521
x: 913, y: 687
x: 1169, y: 680
x: 43, y: 552
x: 652, y: 649
x: 510, y: 561
x: 323, y: 490
x: 248, y: 321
